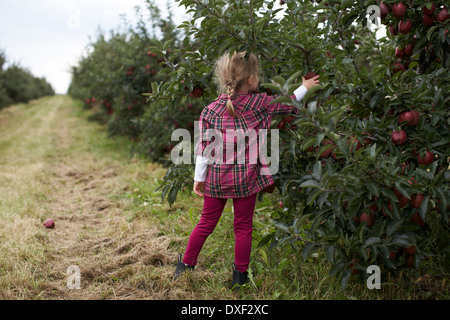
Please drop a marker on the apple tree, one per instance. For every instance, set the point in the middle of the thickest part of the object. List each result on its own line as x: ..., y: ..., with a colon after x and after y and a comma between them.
x: 364, y: 166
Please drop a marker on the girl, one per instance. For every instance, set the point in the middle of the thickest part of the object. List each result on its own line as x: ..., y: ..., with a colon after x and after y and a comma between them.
x: 237, y: 107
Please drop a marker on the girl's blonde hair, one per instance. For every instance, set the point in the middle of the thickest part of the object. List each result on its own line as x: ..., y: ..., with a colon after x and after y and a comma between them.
x: 231, y: 73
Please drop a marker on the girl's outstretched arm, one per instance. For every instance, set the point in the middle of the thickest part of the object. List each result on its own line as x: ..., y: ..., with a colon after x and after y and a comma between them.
x: 276, y: 109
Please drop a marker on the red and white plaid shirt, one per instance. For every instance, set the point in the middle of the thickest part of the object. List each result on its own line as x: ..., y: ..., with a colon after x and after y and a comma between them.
x: 254, y: 111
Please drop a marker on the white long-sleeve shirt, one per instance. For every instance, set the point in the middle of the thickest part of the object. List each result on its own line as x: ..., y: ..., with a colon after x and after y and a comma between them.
x: 202, y: 163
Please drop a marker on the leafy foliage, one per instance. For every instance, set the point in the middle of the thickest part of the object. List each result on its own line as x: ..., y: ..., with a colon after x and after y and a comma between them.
x: 18, y: 85
x: 347, y: 188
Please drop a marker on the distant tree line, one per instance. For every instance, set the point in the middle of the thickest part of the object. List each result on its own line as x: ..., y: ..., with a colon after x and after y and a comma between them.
x: 18, y: 85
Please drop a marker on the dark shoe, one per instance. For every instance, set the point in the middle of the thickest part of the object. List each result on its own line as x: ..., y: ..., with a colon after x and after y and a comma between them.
x: 181, y: 267
x: 239, y: 278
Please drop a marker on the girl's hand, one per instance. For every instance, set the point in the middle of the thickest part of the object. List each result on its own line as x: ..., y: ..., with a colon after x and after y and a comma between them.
x: 198, y: 188
x: 308, y: 84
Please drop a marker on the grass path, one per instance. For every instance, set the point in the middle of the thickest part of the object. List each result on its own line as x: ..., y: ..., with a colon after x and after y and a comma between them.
x: 55, y: 164
x: 112, y: 225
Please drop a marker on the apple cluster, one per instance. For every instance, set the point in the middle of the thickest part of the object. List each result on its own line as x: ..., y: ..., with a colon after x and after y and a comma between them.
x: 402, y: 20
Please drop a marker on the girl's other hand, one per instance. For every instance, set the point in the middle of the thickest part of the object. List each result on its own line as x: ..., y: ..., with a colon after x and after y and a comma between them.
x: 308, y: 84
x: 198, y: 188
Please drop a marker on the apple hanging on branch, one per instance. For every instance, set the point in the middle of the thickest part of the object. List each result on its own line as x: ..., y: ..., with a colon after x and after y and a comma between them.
x: 427, y: 159
x: 398, y: 10
x: 411, y: 118
x: 429, y: 9
x: 405, y: 26
x: 398, y: 137
x: 197, y: 92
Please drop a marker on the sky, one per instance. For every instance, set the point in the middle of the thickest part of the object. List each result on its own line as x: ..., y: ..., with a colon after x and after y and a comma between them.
x: 47, y: 37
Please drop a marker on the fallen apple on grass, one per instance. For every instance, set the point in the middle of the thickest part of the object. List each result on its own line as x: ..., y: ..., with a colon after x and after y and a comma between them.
x: 49, y: 224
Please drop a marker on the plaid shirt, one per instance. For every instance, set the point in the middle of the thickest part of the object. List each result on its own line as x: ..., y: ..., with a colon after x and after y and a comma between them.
x: 253, y: 112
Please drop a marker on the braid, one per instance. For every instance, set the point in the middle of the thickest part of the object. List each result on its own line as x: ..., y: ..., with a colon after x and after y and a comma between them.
x: 230, y: 107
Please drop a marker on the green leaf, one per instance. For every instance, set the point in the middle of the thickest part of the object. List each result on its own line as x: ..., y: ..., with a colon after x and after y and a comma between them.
x: 310, y: 184
x: 424, y: 207
x: 372, y: 241
x: 167, y: 44
x: 280, y: 80
x: 281, y: 99
x: 393, y: 226
x: 282, y: 226
x: 330, y: 253
x: 307, y: 250
x: 271, y: 86
x: 301, y: 221
x: 345, y: 279
x: 403, y: 191
x: 347, y: 60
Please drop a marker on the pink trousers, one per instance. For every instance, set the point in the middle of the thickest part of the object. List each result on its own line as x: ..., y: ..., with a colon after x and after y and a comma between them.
x: 244, y: 209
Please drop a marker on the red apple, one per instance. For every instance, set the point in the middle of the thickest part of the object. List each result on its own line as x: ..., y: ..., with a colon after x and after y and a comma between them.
x: 399, y: 52
x: 429, y: 9
x: 409, y: 48
x: 281, y: 124
x: 383, y: 10
x: 351, y: 266
x: 410, y: 250
x: 417, y: 200
x: 354, y: 144
x: 368, y: 219
x: 49, y: 224
x: 392, y: 30
x: 398, y: 137
x: 405, y: 26
x: 402, y: 201
x: 392, y: 255
x: 442, y: 15
x: 270, y: 188
x: 429, y: 158
x: 326, y: 153
x: 417, y: 219
x: 397, y: 67
x: 427, y: 20
x: 399, y: 10
x: 410, y: 117
x: 410, y: 262
x: 404, y: 167
x: 310, y: 75
x: 197, y: 92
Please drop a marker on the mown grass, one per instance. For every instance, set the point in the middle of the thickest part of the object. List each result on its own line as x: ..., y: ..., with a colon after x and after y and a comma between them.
x: 276, y: 273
